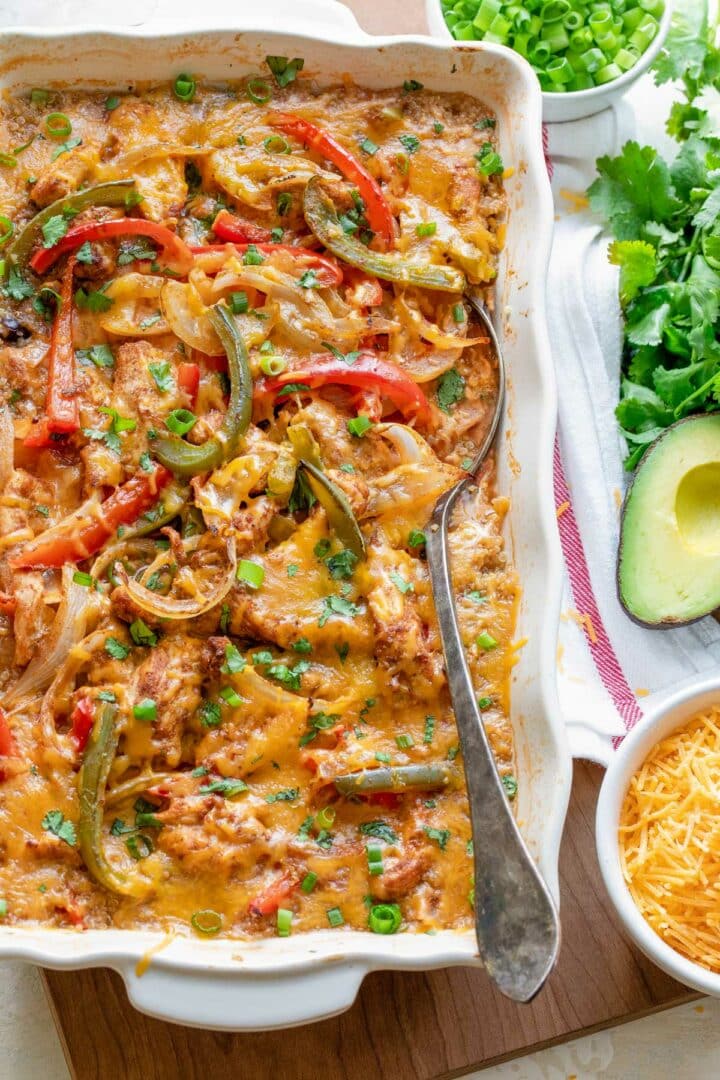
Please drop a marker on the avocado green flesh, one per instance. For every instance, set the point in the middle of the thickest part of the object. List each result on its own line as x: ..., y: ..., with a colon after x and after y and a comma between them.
x: 669, y: 559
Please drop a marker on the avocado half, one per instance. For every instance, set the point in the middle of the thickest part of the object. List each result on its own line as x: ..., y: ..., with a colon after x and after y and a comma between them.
x: 669, y: 556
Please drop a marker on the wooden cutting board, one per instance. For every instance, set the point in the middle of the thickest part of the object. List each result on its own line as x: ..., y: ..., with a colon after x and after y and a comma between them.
x: 404, y: 1026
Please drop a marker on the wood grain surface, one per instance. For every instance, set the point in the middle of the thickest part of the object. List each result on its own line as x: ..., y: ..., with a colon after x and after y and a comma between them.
x: 409, y: 1026
x: 404, y: 1026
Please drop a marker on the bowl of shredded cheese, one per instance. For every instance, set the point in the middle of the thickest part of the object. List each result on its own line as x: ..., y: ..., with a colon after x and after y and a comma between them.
x: 658, y: 835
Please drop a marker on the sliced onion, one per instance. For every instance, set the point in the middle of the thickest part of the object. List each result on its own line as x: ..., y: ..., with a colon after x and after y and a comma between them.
x: 154, y: 150
x: 133, y: 548
x: 136, y: 306
x: 7, y: 446
x: 67, y: 629
x: 170, y: 607
x: 246, y: 174
x: 418, y: 481
x: 412, y: 447
x: 187, y: 317
x: 429, y: 331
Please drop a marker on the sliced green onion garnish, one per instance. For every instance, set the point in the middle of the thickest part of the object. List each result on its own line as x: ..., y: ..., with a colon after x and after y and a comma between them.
x: 273, y: 365
x: 309, y: 882
x: 404, y: 742
x: 184, y: 88
x: 231, y: 697
x: 335, y: 916
x: 556, y: 35
x: 384, y: 918
x: 58, y: 125
x: 238, y: 303
x: 251, y: 573
x: 325, y: 818
x: 145, y: 710
x: 206, y: 921
x: 180, y: 421
x: 359, y: 426
x: 81, y: 578
x: 39, y: 97
x: 112, y: 102
x: 3, y: 908
x: 375, y: 861
x: 276, y: 144
x: 284, y: 922
x: 426, y: 228
x: 259, y: 91
x: 486, y: 641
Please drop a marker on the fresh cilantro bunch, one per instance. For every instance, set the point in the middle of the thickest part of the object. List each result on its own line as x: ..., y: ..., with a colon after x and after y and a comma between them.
x: 666, y: 221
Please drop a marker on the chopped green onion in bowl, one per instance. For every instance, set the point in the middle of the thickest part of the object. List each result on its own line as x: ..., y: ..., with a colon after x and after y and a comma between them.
x: 572, y: 45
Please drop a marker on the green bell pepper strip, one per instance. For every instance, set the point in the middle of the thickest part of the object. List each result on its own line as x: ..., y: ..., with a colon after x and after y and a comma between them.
x: 304, y: 445
x: 92, y: 782
x: 188, y: 460
x: 322, y: 218
x: 337, y: 508
x: 113, y: 193
x: 399, y: 779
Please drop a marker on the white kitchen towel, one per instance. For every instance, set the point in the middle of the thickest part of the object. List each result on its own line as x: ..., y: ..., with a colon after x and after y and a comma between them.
x: 609, y: 670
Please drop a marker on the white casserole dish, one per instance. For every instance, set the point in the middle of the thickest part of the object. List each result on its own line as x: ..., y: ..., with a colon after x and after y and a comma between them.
x: 238, y: 985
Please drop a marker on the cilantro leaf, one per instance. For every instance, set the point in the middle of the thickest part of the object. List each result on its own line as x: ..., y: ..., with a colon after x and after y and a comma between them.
x: 450, y: 389
x: 686, y: 49
x: 56, y: 823
x: 162, y: 376
x: 337, y: 605
x: 638, y: 265
x: 631, y: 189
x: 284, y: 70
x: 17, y: 287
x: 54, y: 229
x: 380, y: 830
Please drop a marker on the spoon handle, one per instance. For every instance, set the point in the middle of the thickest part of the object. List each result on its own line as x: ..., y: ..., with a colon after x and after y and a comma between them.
x: 516, y: 922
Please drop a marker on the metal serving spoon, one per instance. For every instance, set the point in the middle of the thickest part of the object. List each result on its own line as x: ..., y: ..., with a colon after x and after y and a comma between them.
x: 516, y: 922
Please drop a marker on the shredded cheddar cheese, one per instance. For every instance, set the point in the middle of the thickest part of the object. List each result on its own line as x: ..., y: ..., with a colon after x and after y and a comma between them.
x: 670, y: 839
x: 576, y: 200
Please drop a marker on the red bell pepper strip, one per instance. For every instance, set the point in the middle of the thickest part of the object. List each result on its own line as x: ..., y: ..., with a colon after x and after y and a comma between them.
x: 7, y: 743
x: 270, y: 900
x: 227, y: 226
x: 76, y: 539
x: 189, y: 380
x: 174, y: 251
x: 8, y: 604
x: 82, y: 720
x: 328, y: 271
x: 377, y: 210
x: 61, y: 408
x: 367, y: 372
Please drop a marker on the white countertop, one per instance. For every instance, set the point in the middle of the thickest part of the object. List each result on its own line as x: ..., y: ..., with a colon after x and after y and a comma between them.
x: 678, y: 1044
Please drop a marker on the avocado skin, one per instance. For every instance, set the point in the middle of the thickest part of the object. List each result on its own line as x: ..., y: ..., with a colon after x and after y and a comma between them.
x: 653, y: 460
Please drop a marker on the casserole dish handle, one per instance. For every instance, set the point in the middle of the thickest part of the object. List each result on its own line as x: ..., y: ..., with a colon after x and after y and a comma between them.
x: 247, y: 1001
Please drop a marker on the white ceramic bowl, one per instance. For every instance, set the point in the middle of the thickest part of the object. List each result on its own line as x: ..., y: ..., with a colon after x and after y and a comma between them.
x: 672, y: 714
x: 578, y: 103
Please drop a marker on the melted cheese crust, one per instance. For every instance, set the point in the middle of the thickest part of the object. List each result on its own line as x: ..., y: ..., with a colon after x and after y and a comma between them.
x: 375, y: 664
